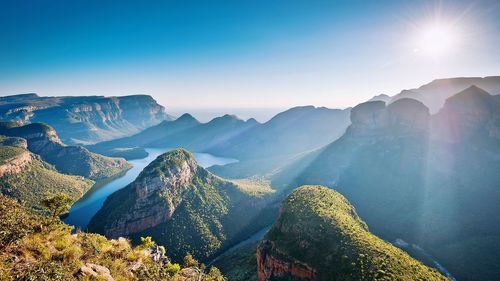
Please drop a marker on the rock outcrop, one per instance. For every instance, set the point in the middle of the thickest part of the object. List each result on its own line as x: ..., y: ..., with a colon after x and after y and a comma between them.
x: 43, y: 140
x: 16, y: 163
x: 319, y: 236
x: 86, y: 119
x: 157, y: 194
x: 404, y: 116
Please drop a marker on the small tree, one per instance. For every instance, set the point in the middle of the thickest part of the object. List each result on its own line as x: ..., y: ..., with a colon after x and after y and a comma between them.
x: 190, y: 261
x: 214, y: 275
x: 146, y: 242
x: 57, y: 204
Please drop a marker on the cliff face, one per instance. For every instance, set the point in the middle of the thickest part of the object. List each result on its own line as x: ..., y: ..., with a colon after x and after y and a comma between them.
x: 272, y: 265
x: 182, y: 206
x: 43, y: 140
x: 88, y: 119
x: 318, y: 236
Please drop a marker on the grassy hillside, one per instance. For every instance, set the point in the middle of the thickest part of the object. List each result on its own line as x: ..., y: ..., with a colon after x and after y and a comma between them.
x: 38, y: 179
x: 37, y: 248
x: 317, y: 226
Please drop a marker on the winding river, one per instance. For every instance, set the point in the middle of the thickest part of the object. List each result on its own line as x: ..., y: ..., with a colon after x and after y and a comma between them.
x: 86, y: 207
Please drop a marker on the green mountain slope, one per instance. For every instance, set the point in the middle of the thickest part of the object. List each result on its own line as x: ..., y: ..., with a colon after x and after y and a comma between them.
x: 43, y: 140
x: 27, y: 178
x: 183, y: 207
x: 319, y: 236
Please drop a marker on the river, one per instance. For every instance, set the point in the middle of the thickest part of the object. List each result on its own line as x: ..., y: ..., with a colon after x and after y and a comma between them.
x: 85, y: 208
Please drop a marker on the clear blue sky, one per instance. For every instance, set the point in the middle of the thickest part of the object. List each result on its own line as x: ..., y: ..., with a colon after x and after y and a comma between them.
x: 236, y: 54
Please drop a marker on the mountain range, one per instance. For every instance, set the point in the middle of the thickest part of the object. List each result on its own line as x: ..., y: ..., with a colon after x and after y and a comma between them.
x: 260, y: 148
x: 435, y: 93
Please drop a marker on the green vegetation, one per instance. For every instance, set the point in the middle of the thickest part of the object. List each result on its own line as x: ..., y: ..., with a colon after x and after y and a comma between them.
x: 319, y: 227
x: 57, y: 204
x: 35, y: 247
x: 38, y: 178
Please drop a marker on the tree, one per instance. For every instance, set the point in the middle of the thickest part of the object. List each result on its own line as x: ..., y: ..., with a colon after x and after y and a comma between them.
x: 190, y: 261
x: 147, y: 242
x: 57, y: 204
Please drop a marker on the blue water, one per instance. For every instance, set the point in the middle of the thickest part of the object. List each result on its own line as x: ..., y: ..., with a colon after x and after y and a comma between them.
x: 84, y: 209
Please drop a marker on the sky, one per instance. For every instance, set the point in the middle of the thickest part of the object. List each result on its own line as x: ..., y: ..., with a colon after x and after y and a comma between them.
x: 234, y: 55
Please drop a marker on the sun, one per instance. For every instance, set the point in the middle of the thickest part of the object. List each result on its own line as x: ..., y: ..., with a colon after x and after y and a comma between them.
x: 436, y: 39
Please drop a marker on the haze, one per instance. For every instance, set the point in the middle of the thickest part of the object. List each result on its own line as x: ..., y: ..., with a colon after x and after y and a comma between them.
x: 201, y: 56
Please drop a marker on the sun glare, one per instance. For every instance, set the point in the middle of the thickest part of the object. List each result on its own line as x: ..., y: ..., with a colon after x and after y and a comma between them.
x: 437, y: 40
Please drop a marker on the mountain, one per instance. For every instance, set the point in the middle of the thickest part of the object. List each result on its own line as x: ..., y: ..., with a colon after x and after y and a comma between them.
x: 35, y: 247
x: 290, y: 132
x: 382, y: 97
x: 85, y: 119
x: 183, y: 207
x: 185, y: 132
x: 430, y: 180
x: 319, y: 236
x: 76, y: 160
x: 260, y: 148
x: 26, y: 177
x: 435, y: 93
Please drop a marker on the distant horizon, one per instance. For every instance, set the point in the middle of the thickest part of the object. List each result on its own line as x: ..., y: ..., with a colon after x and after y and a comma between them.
x: 261, y: 114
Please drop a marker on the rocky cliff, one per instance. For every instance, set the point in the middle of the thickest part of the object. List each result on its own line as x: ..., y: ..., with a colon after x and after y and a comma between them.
x: 404, y: 116
x: 87, y: 119
x: 14, y: 161
x: 26, y: 177
x: 319, y: 236
x: 43, y: 140
x: 182, y: 206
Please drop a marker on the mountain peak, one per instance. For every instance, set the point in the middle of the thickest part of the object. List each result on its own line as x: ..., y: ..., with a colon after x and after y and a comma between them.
x: 171, y: 163
x: 319, y: 236
x: 186, y: 117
